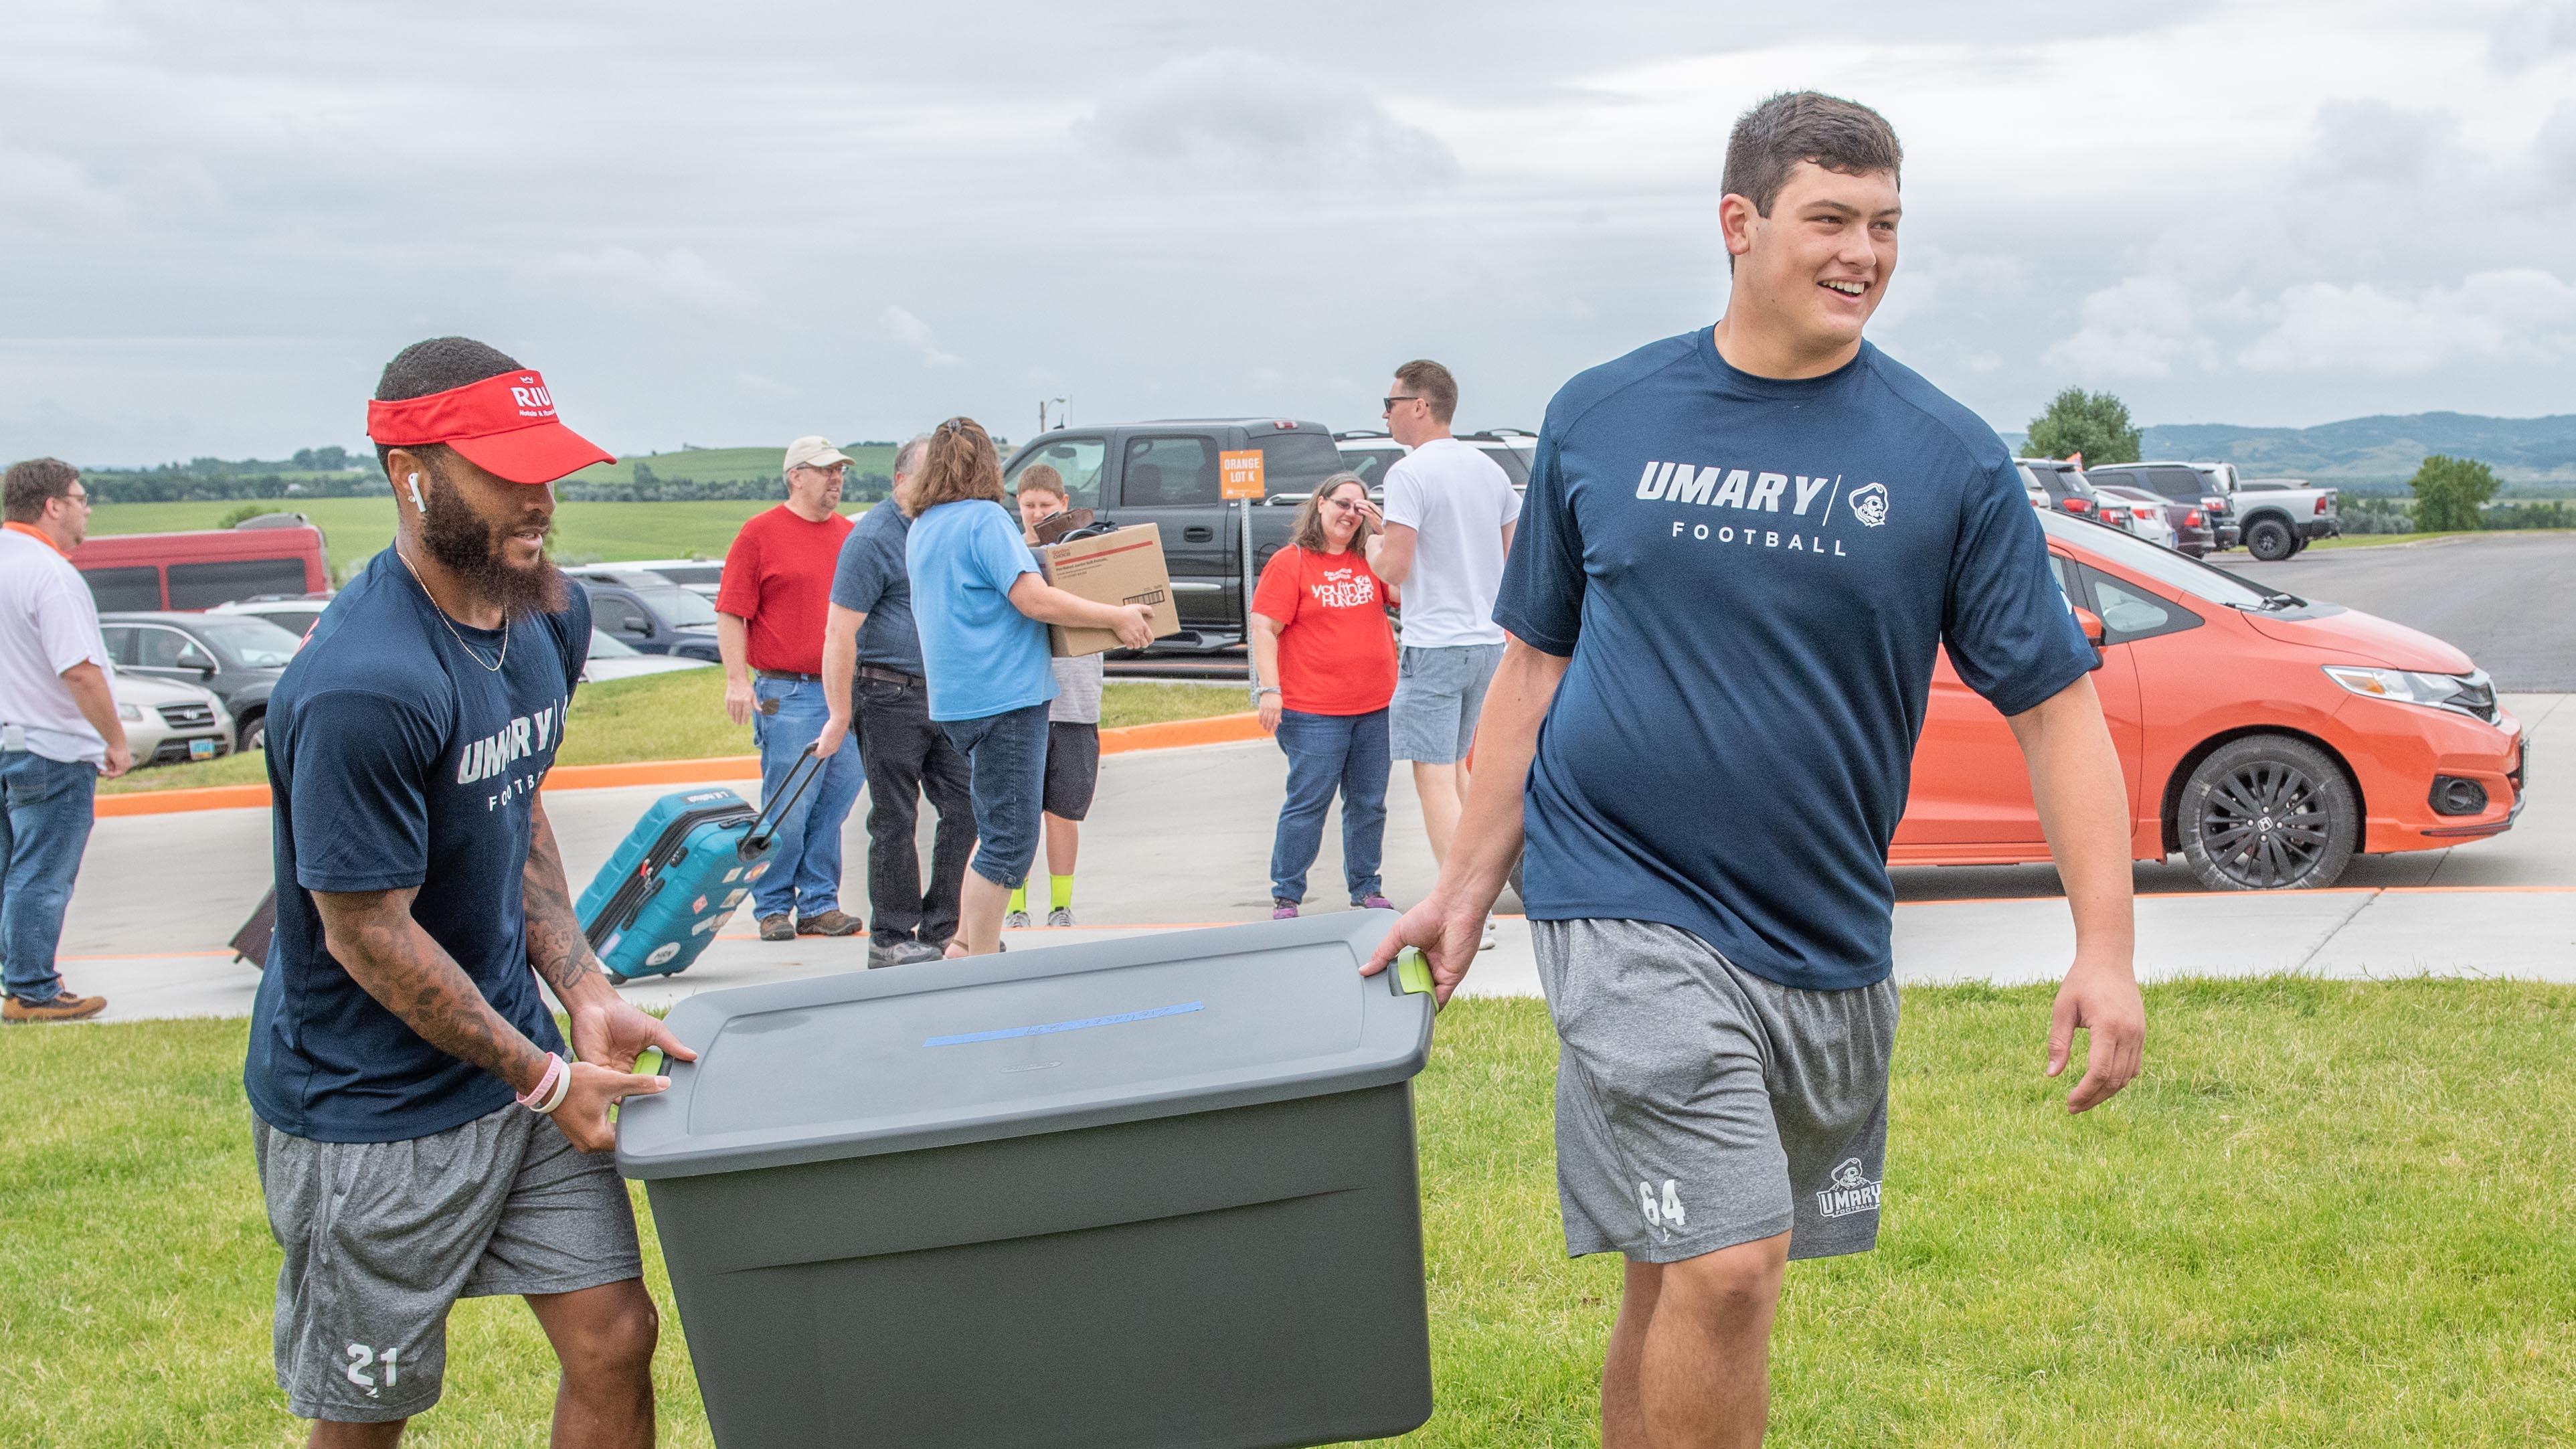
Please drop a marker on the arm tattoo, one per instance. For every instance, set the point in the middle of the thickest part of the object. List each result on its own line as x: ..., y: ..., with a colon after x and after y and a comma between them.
x: 556, y: 947
x: 374, y: 938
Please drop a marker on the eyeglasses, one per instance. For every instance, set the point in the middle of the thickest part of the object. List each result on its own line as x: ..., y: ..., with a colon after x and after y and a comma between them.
x: 1387, y: 404
x: 1341, y: 505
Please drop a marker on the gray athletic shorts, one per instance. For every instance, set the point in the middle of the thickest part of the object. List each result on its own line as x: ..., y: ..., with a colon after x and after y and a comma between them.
x: 1699, y: 1106
x: 1438, y: 695
x: 381, y: 1238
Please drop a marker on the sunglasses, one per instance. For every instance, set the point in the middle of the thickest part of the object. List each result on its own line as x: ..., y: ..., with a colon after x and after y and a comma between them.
x: 1387, y: 404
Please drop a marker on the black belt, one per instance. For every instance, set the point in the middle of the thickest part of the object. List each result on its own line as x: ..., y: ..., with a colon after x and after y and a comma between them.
x: 788, y: 674
x: 890, y: 676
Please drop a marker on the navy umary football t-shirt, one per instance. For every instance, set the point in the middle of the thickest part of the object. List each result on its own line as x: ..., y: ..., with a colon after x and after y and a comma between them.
x: 398, y: 760
x: 1751, y: 575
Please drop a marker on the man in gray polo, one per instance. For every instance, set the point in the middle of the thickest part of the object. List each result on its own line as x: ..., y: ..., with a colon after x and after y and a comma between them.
x: 1450, y: 511
x: 58, y: 732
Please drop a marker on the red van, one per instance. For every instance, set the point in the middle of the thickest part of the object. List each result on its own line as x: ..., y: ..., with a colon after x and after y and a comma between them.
x: 198, y: 570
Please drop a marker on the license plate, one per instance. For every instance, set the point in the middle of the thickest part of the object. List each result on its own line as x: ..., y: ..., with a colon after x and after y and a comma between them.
x: 201, y: 749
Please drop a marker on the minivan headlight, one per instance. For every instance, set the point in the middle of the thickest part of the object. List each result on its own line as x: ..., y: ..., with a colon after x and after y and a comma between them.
x: 2470, y: 694
x: 131, y: 714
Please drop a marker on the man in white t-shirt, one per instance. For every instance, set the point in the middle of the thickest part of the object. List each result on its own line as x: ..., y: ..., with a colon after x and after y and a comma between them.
x: 58, y: 732
x: 1449, y: 516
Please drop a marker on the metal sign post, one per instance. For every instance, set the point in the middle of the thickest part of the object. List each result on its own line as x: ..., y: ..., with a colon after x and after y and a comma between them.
x: 1239, y: 477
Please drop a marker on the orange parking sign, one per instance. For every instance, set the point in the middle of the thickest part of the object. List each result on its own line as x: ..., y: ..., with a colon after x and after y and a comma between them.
x: 1239, y: 474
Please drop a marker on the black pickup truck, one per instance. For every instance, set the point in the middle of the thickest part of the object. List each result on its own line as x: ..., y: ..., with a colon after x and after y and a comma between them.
x: 1165, y: 473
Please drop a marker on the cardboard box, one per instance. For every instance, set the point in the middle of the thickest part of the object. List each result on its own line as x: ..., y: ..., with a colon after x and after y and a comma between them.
x: 1122, y: 567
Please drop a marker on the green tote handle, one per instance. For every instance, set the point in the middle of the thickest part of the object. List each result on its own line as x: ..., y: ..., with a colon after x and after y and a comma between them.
x: 1412, y: 973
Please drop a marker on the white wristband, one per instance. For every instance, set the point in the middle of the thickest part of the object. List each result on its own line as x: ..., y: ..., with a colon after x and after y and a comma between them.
x: 554, y: 1099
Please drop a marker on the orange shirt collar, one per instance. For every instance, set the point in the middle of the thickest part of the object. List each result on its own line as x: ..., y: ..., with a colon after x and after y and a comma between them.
x: 35, y: 533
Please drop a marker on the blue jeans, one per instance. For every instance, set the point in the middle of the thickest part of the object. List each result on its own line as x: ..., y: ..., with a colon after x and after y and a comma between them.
x: 1327, y: 752
x: 1006, y: 768
x: 43, y: 829
x: 804, y: 877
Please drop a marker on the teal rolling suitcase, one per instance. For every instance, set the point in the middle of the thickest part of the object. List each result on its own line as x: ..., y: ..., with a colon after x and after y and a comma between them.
x: 680, y: 873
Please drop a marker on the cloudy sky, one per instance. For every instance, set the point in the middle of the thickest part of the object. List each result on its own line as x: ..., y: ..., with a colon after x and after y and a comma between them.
x: 728, y: 224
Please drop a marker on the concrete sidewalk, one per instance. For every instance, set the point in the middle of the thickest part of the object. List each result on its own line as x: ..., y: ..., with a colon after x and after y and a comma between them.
x: 1182, y: 837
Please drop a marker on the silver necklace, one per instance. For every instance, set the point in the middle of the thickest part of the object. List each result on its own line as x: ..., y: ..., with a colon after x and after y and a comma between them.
x: 492, y: 668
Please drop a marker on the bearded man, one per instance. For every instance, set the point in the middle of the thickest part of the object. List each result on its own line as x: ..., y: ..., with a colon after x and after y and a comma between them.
x: 420, y: 1135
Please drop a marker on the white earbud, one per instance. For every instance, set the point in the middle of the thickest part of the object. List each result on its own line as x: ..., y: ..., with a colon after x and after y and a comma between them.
x: 416, y: 500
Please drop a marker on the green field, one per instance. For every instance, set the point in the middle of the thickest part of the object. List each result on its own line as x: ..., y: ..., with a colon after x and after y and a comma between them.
x: 727, y: 465
x: 2329, y: 1214
x: 2374, y: 540
x: 584, y: 532
x: 680, y: 716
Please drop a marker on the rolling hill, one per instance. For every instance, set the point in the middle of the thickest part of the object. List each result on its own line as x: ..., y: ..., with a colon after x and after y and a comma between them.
x: 2376, y: 449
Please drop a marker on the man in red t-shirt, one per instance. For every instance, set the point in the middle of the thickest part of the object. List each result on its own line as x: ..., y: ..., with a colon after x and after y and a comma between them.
x: 770, y: 612
x: 1323, y: 663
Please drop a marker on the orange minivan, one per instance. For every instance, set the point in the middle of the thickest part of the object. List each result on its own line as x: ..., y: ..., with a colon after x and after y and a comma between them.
x: 2265, y: 737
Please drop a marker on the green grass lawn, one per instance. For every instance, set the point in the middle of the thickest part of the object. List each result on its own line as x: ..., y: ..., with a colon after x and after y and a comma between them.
x: 357, y: 528
x: 2373, y: 540
x: 680, y: 716
x: 2329, y: 1214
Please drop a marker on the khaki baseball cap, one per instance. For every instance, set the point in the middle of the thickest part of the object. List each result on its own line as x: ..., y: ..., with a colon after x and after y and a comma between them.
x: 814, y: 452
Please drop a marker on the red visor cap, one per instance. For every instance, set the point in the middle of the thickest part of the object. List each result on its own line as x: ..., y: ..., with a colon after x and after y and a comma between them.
x: 504, y: 425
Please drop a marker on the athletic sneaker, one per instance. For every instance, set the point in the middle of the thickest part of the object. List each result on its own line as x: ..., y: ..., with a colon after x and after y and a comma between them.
x: 1377, y: 903
x: 780, y: 927
x: 1283, y: 910
x: 902, y: 953
x: 834, y: 922
x: 64, y: 1007
x: 1060, y: 916
x: 1016, y: 921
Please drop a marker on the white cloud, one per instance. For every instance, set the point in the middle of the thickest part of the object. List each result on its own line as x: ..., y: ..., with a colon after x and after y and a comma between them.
x: 2372, y: 141
x: 2522, y: 314
x: 1258, y: 121
x: 2140, y: 327
x: 914, y: 333
x: 625, y: 275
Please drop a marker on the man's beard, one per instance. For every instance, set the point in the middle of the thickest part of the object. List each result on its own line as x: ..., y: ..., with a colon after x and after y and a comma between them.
x: 458, y: 538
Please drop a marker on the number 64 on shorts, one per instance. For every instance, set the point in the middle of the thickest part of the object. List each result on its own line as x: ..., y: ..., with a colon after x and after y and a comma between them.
x: 1667, y: 1213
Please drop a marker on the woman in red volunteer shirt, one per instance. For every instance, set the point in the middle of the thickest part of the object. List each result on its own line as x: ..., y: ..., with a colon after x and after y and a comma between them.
x: 1323, y: 662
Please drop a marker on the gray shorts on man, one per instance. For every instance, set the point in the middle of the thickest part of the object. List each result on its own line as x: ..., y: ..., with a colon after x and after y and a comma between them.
x: 1699, y: 1106
x: 382, y: 1238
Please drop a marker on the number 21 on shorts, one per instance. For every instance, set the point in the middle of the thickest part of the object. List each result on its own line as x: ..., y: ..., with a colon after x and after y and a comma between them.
x: 361, y: 1358
x: 1667, y: 1213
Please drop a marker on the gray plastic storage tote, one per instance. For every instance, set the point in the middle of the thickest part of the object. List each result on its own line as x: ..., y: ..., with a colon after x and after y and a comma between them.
x: 1148, y: 1192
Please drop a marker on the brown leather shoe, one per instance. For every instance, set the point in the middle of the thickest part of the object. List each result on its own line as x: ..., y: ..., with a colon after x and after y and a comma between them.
x: 830, y: 923
x: 65, y: 1007
x: 780, y: 927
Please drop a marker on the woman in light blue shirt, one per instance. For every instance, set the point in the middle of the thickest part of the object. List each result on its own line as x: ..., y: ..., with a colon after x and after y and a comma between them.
x: 981, y: 608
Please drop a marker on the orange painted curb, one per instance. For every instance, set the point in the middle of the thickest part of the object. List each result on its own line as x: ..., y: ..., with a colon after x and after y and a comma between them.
x: 1223, y: 729
x: 1171, y: 734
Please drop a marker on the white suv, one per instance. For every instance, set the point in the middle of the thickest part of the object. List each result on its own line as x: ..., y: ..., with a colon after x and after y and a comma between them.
x: 1370, y: 453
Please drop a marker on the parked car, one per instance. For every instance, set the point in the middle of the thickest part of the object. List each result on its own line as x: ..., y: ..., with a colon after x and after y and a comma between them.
x: 649, y: 613
x: 2061, y: 483
x: 167, y: 722
x: 610, y: 659
x: 277, y: 553
x: 697, y: 575
x: 2212, y: 486
x: 1370, y: 453
x: 1165, y: 473
x: 2182, y: 527
x: 238, y: 659
x: 2281, y: 516
x: 2265, y: 737
x: 294, y: 613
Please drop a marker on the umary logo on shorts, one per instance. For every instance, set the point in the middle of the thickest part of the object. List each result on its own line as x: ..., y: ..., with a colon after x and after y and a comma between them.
x: 1852, y: 1191
x: 1869, y: 503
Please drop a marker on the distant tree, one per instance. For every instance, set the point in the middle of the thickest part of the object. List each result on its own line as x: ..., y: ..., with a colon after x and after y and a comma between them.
x: 2449, y: 492
x: 2095, y: 424
x: 304, y: 459
x: 233, y: 516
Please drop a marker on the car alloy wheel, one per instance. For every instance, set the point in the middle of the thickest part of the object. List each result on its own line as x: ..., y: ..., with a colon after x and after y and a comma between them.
x: 2268, y: 813
x: 2270, y: 540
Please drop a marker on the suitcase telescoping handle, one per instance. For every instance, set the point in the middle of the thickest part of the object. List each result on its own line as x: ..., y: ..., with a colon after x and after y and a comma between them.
x: 773, y: 812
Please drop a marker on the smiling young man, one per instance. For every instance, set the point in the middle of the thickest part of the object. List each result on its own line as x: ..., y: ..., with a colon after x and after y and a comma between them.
x: 1740, y: 549
x: 420, y: 1135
